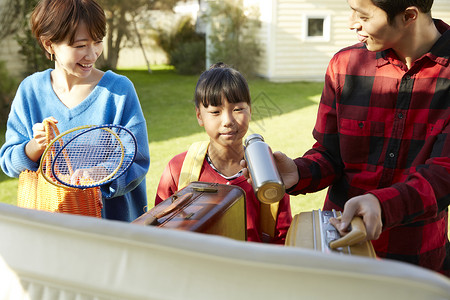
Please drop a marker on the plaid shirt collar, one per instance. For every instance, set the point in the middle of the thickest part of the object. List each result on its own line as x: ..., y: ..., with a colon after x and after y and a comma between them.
x: 439, y: 53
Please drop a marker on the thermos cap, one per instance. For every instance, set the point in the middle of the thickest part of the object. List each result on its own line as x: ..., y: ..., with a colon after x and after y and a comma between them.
x: 270, y: 192
x: 252, y: 138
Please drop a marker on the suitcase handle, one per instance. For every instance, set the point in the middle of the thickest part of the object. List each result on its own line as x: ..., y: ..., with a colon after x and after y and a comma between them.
x: 356, y: 235
x: 152, y: 219
x: 176, y: 202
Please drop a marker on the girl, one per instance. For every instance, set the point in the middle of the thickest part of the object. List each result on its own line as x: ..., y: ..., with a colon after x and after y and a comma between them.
x: 222, y: 105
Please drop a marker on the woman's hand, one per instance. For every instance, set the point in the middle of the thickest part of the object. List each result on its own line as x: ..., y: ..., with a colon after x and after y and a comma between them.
x: 88, y: 176
x: 36, y: 146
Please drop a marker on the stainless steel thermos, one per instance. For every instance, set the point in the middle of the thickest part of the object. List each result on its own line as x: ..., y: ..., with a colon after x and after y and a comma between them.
x: 266, y: 180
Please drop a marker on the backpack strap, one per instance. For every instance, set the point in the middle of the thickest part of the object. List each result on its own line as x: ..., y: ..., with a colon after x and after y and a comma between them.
x: 190, y: 171
x: 268, y: 220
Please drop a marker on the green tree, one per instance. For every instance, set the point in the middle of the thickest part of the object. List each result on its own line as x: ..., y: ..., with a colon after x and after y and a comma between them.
x: 184, y: 46
x: 35, y: 59
x: 121, y: 17
x: 10, y: 12
x: 14, y: 21
x: 232, y: 35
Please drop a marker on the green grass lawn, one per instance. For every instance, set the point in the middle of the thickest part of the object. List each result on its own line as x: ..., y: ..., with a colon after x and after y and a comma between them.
x: 284, y: 113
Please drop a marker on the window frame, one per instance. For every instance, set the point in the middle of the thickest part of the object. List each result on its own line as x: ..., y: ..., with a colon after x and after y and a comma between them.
x: 326, y: 27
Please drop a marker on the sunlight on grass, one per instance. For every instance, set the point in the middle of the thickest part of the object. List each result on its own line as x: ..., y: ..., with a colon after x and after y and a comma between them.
x: 152, y: 67
x: 8, y: 190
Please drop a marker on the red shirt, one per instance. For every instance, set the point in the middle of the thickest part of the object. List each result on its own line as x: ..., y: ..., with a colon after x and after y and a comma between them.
x: 384, y: 129
x: 168, y: 185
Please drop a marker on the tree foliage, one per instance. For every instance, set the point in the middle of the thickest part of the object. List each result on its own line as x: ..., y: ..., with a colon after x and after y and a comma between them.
x: 120, y: 16
x: 35, y: 59
x: 184, y: 46
x: 233, y: 36
x: 11, y: 13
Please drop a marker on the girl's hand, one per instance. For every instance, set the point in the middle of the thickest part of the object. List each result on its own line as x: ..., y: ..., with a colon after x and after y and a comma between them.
x: 36, y: 146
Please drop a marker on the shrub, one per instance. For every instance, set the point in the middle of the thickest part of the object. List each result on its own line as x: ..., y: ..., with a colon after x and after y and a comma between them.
x: 185, y: 47
x: 233, y: 35
x: 35, y: 59
x: 189, y: 58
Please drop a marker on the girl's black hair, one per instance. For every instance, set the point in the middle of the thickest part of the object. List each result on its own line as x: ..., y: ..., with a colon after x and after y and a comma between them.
x: 221, y: 82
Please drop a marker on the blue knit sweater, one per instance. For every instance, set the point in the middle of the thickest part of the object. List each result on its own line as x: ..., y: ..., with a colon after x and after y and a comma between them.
x: 113, y: 101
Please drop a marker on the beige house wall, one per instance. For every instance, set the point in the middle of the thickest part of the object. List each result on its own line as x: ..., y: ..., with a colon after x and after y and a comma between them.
x: 441, y: 10
x: 288, y: 55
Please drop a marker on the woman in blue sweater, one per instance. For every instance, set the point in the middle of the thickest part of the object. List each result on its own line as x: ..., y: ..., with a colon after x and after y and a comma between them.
x: 75, y: 93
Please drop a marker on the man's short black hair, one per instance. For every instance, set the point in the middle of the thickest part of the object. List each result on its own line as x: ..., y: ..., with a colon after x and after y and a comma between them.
x: 395, y: 7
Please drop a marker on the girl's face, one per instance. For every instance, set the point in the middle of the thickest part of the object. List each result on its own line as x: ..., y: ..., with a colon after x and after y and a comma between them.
x: 372, y: 27
x: 227, y: 124
x: 77, y: 59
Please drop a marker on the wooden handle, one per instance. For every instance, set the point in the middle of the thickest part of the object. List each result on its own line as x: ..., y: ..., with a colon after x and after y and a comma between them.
x: 356, y: 235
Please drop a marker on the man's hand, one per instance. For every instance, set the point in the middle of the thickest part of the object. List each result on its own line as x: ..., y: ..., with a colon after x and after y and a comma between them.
x: 285, y: 165
x: 366, y: 206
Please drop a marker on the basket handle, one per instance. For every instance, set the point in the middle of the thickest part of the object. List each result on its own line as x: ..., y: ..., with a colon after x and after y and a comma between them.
x: 50, y: 127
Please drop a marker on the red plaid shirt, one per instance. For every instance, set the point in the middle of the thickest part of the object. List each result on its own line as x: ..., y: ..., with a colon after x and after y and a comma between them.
x: 384, y: 129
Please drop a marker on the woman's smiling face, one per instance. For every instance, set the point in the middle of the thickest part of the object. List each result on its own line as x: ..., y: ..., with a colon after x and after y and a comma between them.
x: 78, y: 59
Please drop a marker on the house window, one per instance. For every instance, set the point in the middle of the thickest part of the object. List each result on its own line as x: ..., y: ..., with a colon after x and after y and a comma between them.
x: 317, y: 28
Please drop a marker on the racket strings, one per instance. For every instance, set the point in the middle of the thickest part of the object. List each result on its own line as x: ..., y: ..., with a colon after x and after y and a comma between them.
x: 93, y: 156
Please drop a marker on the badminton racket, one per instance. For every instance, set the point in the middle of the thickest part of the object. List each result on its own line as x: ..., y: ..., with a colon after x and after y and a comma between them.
x: 89, y: 156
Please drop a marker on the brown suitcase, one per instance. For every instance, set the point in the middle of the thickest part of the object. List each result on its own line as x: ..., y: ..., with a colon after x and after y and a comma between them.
x: 312, y: 230
x: 203, y: 207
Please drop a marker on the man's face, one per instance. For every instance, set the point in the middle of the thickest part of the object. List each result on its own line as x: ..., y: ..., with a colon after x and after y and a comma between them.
x: 372, y: 27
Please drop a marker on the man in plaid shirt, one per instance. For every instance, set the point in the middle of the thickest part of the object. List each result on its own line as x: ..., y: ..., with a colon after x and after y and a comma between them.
x: 383, y: 133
